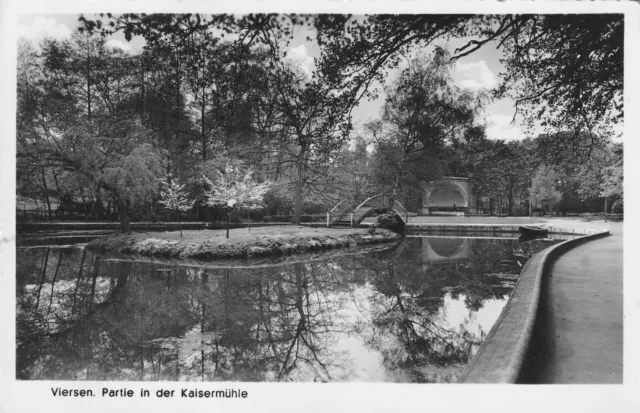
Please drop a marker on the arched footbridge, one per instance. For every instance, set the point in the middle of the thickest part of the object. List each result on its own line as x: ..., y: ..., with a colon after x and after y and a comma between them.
x: 345, y: 214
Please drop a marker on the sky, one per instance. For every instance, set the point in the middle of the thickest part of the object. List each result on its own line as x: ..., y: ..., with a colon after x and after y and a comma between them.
x: 476, y: 71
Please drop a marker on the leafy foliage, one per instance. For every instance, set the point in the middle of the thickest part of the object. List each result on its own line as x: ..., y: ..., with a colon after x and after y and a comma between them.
x: 98, y: 124
x: 567, y: 69
x: 563, y: 70
x: 423, y: 114
x: 135, y: 176
x: 543, y: 187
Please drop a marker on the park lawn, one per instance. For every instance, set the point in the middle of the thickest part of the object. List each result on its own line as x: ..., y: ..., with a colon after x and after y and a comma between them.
x: 242, y: 243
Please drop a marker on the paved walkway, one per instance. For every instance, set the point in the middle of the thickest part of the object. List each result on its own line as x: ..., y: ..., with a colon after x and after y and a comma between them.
x: 585, y: 317
x: 472, y: 220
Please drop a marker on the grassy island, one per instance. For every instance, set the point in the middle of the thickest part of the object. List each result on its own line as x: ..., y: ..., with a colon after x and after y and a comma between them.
x: 242, y: 243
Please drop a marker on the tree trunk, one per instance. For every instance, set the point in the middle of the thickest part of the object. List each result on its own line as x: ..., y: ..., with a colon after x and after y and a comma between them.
x: 510, y: 200
x: 88, y: 88
x: 94, y: 278
x: 177, y: 101
x: 396, y: 183
x: 46, y: 193
x: 53, y: 283
x: 43, y: 276
x: 394, y: 193
x: 59, y: 191
x: 228, y: 223
x: 75, y: 292
x: 143, y: 93
x: 298, y: 201
x: 300, y: 284
x: 99, y: 207
x: 203, y: 136
x: 203, y: 304
x: 124, y: 218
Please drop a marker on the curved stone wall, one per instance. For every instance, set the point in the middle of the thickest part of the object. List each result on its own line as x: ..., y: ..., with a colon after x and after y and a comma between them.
x: 503, y: 353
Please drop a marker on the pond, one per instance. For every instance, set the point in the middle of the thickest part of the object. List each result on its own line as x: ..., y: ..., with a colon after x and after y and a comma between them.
x: 415, y: 312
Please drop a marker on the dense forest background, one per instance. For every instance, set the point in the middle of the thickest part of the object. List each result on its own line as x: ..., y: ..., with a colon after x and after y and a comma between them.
x: 104, y: 134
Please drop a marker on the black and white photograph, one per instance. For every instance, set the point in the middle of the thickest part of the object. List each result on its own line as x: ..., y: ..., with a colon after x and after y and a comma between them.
x: 253, y: 209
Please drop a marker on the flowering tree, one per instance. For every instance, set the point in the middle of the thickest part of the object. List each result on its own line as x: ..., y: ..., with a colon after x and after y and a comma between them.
x: 233, y: 190
x: 173, y: 197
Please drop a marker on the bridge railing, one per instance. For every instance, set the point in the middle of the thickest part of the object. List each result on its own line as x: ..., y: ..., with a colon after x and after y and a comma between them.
x: 338, y: 211
x: 382, y: 202
x: 401, y: 211
x: 374, y: 202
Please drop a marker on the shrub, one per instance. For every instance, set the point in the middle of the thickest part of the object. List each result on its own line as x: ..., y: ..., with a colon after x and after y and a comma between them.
x: 387, y: 220
x: 306, y: 218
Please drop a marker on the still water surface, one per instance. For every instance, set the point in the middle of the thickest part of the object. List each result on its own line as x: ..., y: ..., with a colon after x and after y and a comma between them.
x: 416, y: 312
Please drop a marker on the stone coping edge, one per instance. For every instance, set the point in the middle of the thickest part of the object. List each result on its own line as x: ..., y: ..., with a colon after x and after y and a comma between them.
x: 501, y: 357
x: 496, y: 228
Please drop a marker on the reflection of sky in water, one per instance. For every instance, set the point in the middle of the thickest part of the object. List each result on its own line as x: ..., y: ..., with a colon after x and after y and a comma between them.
x: 454, y: 314
x: 368, y: 365
x: 395, y: 315
x: 364, y: 363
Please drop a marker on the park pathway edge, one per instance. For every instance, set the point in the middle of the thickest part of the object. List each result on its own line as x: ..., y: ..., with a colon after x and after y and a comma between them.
x: 502, y: 357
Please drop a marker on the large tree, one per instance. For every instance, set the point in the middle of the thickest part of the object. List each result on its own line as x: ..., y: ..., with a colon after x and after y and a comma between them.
x: 564, y: 71
x: 210, y: 84
x: 78, y: 122
x: 312, y: 130
x: 568, y: 68
x: 424, y: 113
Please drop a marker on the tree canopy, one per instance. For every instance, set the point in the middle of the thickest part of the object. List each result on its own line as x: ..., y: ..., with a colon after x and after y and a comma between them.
x: 564, y: 71
x: 423, y: 114
x: 97, y: 124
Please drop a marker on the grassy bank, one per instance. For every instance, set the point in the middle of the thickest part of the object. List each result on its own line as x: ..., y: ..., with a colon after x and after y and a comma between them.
x: 259, y: 242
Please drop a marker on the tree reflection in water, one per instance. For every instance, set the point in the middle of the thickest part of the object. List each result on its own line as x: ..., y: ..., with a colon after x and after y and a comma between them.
x: 379, y: 316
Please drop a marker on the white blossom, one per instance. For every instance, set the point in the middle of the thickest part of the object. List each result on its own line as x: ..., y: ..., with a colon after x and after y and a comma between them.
x: 232, y: 189
x: 173, y: 196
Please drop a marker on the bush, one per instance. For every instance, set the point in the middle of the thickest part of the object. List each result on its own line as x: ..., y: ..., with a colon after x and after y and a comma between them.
x: 387, y: 220
x: 306, y: 218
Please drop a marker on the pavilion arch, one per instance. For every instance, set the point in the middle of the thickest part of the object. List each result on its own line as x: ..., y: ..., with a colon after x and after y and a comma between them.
x: 448, y: 193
